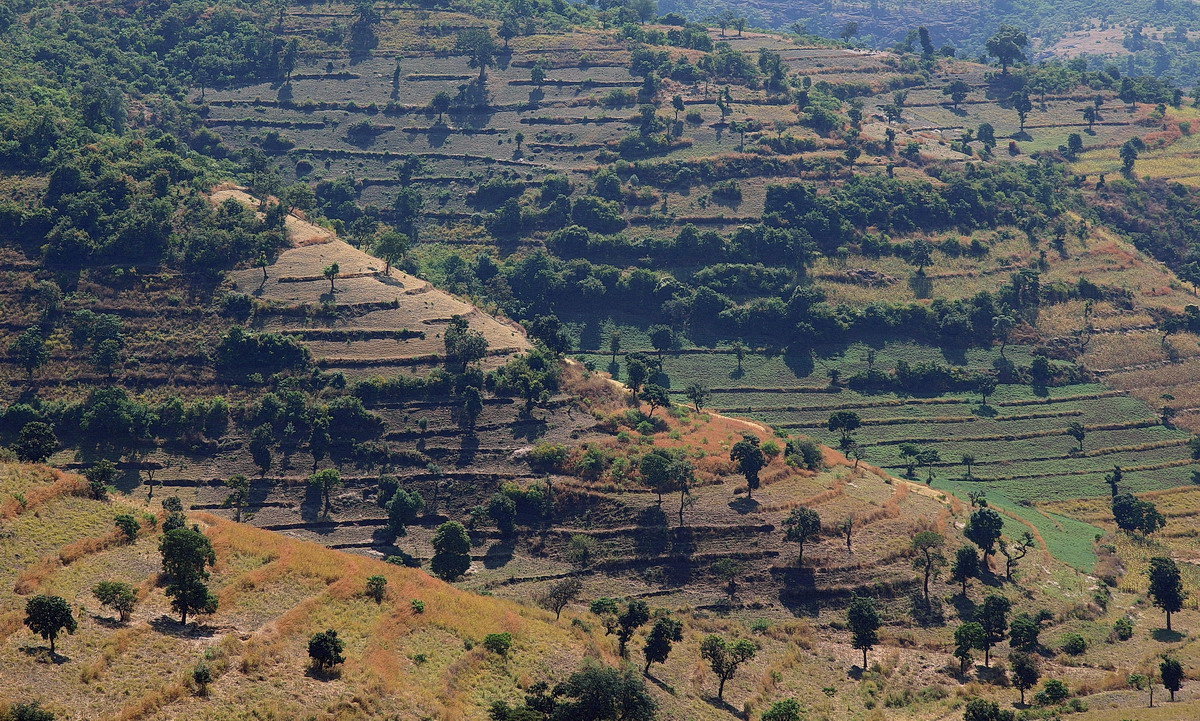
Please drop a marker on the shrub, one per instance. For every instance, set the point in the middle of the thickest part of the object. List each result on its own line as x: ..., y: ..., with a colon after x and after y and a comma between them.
x: 1073, y: 644
x: 418, y: 606
x: 498, y: 643
x: 1053, y: 691
x: 547, y: 457
x: 1123, y: 628
x: 128, y: 525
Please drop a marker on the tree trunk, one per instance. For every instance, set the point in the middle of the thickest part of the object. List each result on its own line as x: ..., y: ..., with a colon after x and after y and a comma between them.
x: 864, y: 659
x: 1168, y: 620
x: 183, y: 617
x: 721, y: 689
x: 52, y: 652
x: 927, y: 571
x: 987, y: 656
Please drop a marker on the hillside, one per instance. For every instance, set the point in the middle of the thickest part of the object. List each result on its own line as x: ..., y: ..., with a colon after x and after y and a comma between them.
x: 274, y: 593
x: 596, y: 283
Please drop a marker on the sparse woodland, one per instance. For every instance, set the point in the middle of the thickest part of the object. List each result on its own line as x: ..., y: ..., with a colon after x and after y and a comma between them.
x: 545, y: 361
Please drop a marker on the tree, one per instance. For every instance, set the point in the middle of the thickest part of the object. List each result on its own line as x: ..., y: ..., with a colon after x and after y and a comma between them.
x: 863, y: 619
x: 967, y: 638
x: 802, y: 524
x: 48, y: 617
x: 560, y: 595
x: 663, y: 337
x: 186, y: 554
x: 786, y: 710
x: 636, y: 371
x: 498, y: 643
x: 377, y: 588
x: 655, y: 396
x: 100, y: 476
x: 697, y: 394
x: 330, y: 272
x: 635, y: 615
x: 1090, y: 116
x: 1078, y: 432
x: 1133, y: 514
x: 392, y: 246
x: 983, y: 529
x: 993, y: 616
x: 128, y: 526
x: 1023, y: 632
x: 1025, y: 672
x: 665, y: 631
x: 969, y: 461
x: 1014, y: 552
x: 728, y: 570
x: 965, y: 566
x: 750, y: 460
x: 600, y: 693
x: 844, y: 422
x: 451, y: 551
x: 614, y: 344
x: 120, y: 597
x: 929, y: 457
x: 929, y: 558
x: 1022, y: 104
x: 36, y: 442
x: 440, y: 103
x: 1143, y: 682
x: 983, y: 710
x: 957, y: 90
x: 677, y: 104
x: 985, y: 386
x: 1007, y: 46
x: 1129, y: 156
x: 1171, y: 672
x: 325, y: 649
x: 479, y: 47
x: 239, y: 494
x: 1166, y: 586
x: 326, y: 481
x: 739, y: 352
x: 29, y: 349
x: 658, y: 473
x: 724, y: 657
x: 502, y: 509
x: 508, y: 30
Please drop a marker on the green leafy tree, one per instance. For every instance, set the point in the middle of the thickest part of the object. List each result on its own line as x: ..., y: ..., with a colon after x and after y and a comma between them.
x: 663, y: 634
x: 1171, y: 672
x: 1078, y: 432
x: 36, y: 442
x: 1025, y: 672
x: 697, y: 394
x: 748, y: 456
x: 29, y: 349
x: 186, y: 554
x: 239, y: 494
x: 863, y: 619
x: 326, y: 481
x: 479, y: 47
x: 983, y: 529
x: 325, y: 650
x: 403, y: 509
x: 560, y: 595
x: 957, y: 90
x: 1008, y: 46
x: 451, y: 551
x: 965, y: 566
x: 331, y: 272
x: 802, y: 525
x: 967, y: 638
x: 635, y: 615
x: 655, y: 396
x: 100, y: 476
x: 993, y: 616
x: 1024, y: 631
x: 392, y: 246
x: 128, y: 526
x: 724, y: 657
x: 1166, y: 586
x: 48, y: 617
x: 498, y: 643
x: 983, y: 710
x: 844, y: 422
x: 786, y: 710
x: 119, y: 596
x: 927, y: 545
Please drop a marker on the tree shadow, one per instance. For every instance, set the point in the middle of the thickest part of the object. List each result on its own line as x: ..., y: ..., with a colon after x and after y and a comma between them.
x: 921, y: 286
x: 964, y: 607
x: 499, y: 554
x: 653, y: 537
x: 42, y: 655
x: 722, y: 705
x: 323, y: 674
x: 1162, y: 635
x: 985, y: 411
x: 744, y: 505
x: 467, y: 450
x: 668, y: 688
x: 170, y: 627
